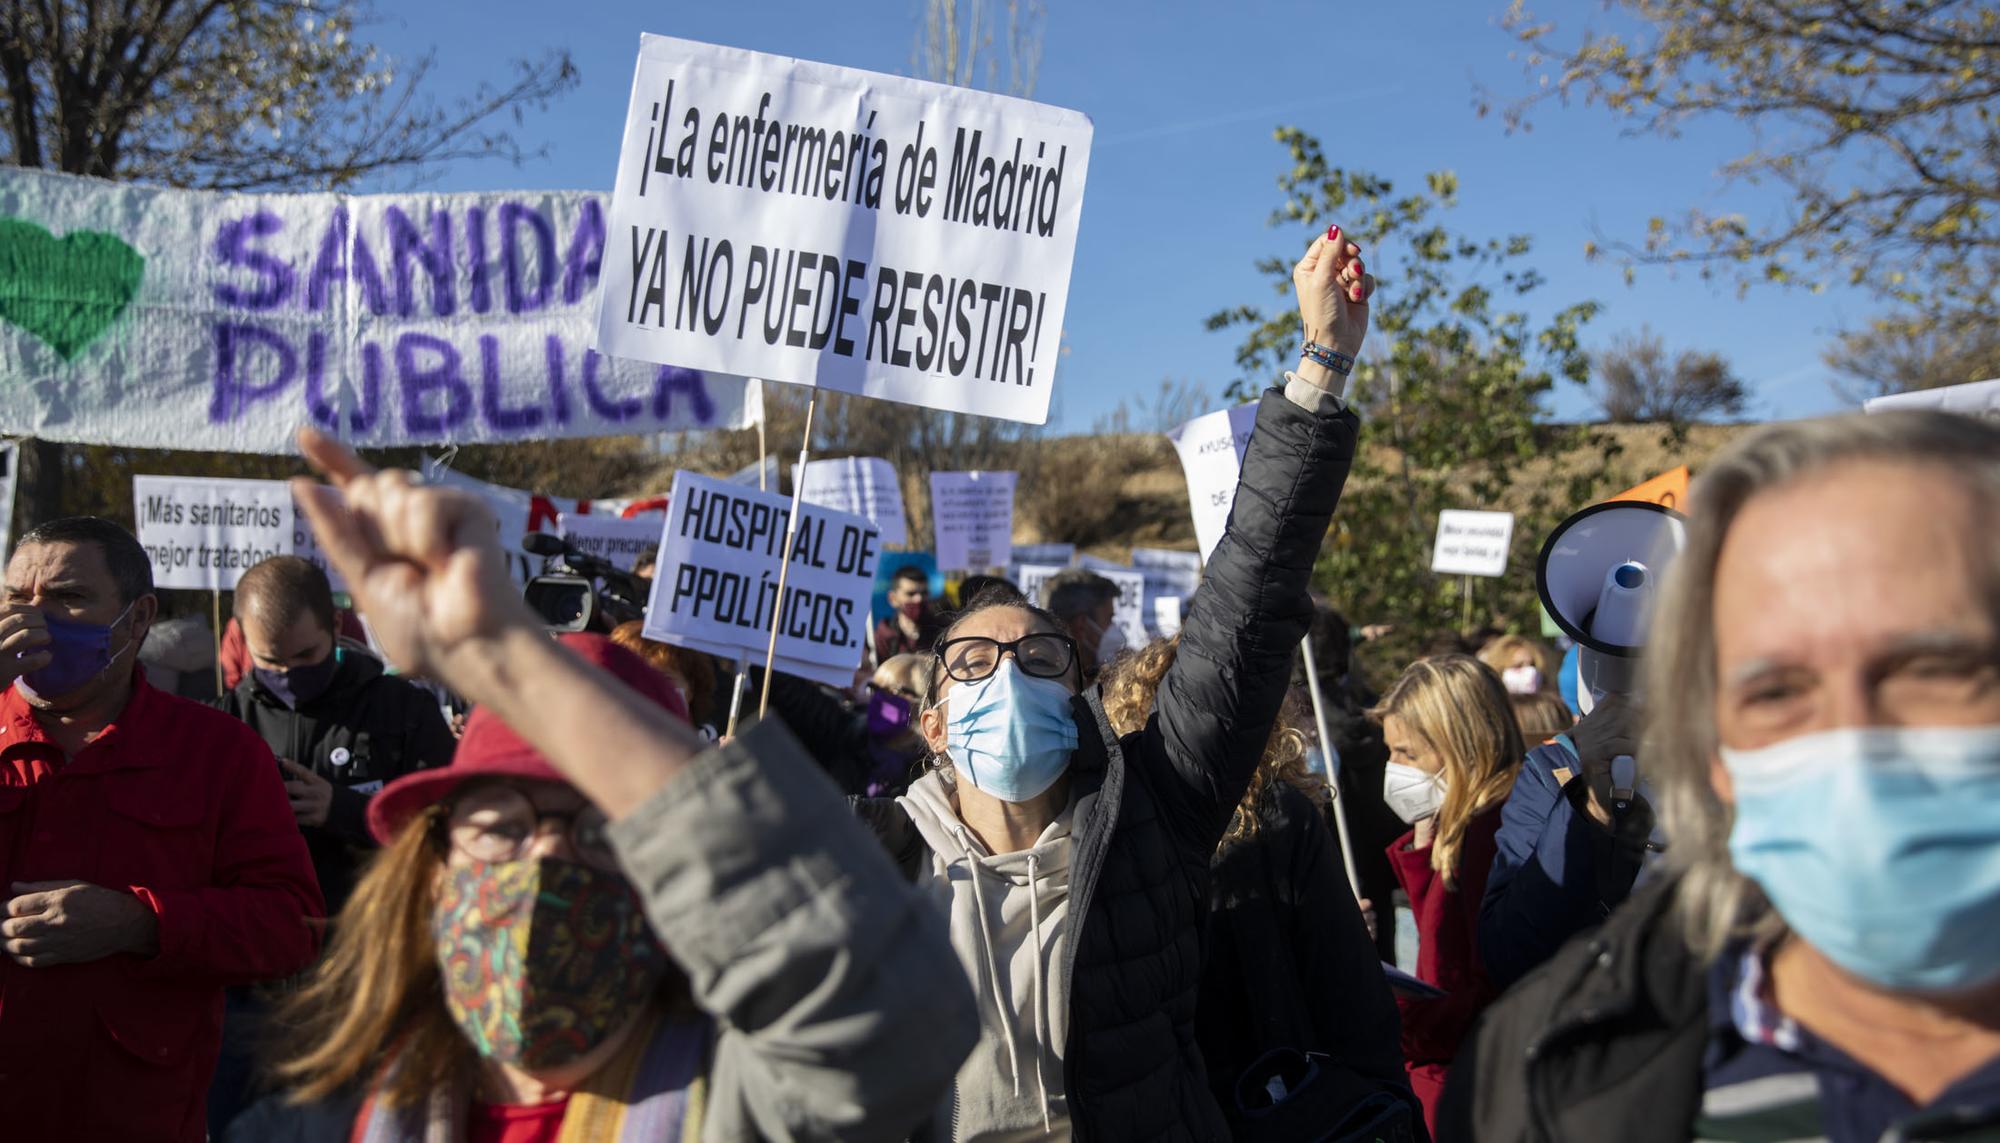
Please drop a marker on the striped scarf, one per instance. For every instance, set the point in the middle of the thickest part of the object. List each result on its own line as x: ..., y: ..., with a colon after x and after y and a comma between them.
x: 652, y: 1091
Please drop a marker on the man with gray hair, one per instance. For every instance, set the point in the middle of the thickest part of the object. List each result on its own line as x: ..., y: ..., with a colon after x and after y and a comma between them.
x: 1085, y: 602
x: 1822, y: 960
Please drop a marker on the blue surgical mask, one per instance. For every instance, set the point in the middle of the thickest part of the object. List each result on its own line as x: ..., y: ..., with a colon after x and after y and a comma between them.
x: 78, y: 653
x: 1880, y: 847
x: 1010, y: 734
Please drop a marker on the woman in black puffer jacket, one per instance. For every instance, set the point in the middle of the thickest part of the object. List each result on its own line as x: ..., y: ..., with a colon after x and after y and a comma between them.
x: 1072, y: 862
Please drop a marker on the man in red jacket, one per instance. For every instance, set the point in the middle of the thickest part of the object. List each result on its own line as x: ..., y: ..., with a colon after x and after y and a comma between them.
x: 148, y: 856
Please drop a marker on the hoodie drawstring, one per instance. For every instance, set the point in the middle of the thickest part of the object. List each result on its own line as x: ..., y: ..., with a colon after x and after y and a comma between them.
x: 1041, y: 1009
x: 992, y: 959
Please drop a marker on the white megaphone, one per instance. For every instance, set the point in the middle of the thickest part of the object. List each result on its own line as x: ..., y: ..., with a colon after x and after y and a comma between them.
x: 1599, y: 576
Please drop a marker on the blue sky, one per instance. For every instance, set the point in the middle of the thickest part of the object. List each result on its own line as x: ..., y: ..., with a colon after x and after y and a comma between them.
x: 1184, y: 98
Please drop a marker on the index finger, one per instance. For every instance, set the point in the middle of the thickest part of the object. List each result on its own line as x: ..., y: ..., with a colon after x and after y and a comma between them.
x: 329, y: 456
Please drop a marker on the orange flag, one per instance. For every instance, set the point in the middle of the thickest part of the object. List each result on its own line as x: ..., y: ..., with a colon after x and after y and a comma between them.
x: 1669, y: 490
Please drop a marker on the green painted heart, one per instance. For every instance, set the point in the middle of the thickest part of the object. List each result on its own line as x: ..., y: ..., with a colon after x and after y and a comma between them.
x: 66, y: 291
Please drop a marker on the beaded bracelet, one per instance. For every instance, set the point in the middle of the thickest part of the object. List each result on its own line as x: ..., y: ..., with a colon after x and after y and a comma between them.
x: 1331, y: 358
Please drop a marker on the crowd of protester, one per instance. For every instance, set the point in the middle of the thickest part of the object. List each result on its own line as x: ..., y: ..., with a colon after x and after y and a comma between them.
x: 1022, y: 882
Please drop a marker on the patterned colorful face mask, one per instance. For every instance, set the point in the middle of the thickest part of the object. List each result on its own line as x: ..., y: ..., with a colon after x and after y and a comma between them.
x: 542, y: 959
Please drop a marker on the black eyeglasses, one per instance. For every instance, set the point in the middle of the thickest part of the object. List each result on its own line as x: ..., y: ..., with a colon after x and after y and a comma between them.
x: 497, y: 823
x: 970, y: 658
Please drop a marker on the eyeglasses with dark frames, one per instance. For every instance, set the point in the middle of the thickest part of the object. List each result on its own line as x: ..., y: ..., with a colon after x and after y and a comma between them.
x: 1043, y: 654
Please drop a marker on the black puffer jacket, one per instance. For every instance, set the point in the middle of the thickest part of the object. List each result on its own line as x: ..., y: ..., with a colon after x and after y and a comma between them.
x: 1151, y: 808
x: 1290, y: 964
x: 1603, y: 1042
x: 367, y: 729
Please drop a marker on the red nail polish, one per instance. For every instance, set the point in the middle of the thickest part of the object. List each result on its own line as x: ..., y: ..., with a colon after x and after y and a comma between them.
x: 1333, y: 234
x: 1356, y: 293
x: 1358, y: 268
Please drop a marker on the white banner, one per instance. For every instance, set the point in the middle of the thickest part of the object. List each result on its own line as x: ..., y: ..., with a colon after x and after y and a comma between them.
x: 1166, y: 615
x: 1211, y: 449
x: 1976, y: 398
x: 612, y: 538
x: 717, y: 578
x: 1472, y: 543
x: 10, y: 471
x: 862, y: 485
x: 972, y: 514
x: 160, y: 318
x: 826, y: 226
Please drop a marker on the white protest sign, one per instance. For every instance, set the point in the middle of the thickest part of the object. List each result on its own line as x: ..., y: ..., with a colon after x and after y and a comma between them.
x: 1168, y: 572
x: 1472, y: 543
x: 973, y: 514
x: 1128, y: 612
x: 717, y: 578
x: 1031, y: 578
x: 611, y: 538
x: 204, y: 532
x: 1976, y: 398
x: 518, y: 512
x: 1044, y: 553
x: 161, y: 318
x: 10, y: 461
x: 1166, y: 615
x: 862, y: 485
x: 1211, y: 448
x: 844, y: 229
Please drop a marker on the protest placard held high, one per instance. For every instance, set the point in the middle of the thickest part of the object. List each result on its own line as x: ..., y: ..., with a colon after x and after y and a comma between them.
x: 840, y: 228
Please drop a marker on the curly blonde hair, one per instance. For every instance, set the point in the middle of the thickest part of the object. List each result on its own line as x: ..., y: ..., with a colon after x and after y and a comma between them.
x: 1129, y: 688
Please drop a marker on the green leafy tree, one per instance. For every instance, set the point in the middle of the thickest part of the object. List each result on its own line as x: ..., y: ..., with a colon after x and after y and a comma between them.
x: 225, y: 95
x: 1880, y: 119
x: 1450, y: 387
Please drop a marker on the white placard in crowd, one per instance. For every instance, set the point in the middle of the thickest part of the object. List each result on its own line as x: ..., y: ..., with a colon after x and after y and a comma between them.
x: 1978, y: 398
x: 717, y: 578
x: 1168, y: 572
x: 839, y: 228
x: 200, y: 530
x: 204, y: 532
x: 1472, y: 543
x: 1132, y: 608
x: 862, y: 485
x: 1167, y: 615
x: 518, y: 512
x: 973, y: 514
x: 1030, y: 578
x: 612, y: 538
x: 1211, y: 448
x: 1044, y: 554
x: 10, y: 471
x: 161, y: 318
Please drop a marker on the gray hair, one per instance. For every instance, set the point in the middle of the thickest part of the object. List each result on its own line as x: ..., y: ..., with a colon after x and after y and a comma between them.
x: 1076, y: 591
x: 1716, y: 903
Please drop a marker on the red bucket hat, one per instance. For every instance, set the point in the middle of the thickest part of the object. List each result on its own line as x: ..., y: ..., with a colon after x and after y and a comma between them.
x: 491, y: 748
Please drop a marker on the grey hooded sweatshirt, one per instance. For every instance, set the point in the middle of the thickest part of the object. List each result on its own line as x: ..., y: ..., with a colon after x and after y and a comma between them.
x: 1009, y: 918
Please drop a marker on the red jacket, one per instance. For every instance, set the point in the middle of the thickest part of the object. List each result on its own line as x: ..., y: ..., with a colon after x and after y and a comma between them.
x: 1447, y: 954
x: 181, y: 805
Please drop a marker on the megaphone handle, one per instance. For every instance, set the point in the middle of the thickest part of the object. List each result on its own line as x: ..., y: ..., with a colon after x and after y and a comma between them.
x: 1624, y: 777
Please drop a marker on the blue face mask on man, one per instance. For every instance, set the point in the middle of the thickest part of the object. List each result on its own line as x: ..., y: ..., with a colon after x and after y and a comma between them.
x: 78, y: 653
x: 1880, y: 847
x: 1010, y: 734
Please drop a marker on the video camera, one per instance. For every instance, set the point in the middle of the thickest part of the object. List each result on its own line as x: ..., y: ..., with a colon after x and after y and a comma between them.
x: 578, y: 591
